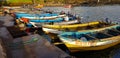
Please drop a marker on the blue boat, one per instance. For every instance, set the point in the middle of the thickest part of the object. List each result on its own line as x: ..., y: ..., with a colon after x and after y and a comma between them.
x: 19, y: 15
x: 37, y: 16
x: 46, y: 21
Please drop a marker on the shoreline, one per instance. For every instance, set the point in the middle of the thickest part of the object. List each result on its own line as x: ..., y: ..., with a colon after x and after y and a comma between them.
x: 62, y: 5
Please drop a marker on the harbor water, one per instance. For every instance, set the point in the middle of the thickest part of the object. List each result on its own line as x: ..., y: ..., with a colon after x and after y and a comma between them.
x: 95, y: 13
x: 92, y: 13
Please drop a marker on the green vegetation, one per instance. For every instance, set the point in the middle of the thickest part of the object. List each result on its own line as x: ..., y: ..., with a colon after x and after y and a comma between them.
x: 45, y: 2
x: 20, y: 2
x: 58, y: 2
x: 16, y: 1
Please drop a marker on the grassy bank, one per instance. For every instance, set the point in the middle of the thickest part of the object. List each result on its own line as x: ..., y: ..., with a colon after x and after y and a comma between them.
x: 17, y: 3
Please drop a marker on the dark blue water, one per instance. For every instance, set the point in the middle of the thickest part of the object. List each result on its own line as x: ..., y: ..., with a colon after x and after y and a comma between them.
x: 112, y: 12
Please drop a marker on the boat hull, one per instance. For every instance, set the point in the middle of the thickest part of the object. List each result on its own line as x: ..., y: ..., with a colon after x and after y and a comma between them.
x: 38, y: 16
x: 74, y: 26
x: 53, y: 22
x: 91, y: 40
x: 75, y: 48
x: 56, y: 31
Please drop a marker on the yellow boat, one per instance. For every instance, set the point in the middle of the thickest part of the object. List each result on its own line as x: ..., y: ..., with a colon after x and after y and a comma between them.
x: 56, y: 29
x: 73, y: 26
x: 91, y: 40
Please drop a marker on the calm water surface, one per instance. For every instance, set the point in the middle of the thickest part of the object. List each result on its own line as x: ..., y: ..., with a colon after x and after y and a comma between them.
x: 93, y: 14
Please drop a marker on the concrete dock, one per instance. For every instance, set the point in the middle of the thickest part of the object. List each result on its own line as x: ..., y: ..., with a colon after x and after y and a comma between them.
x: 30, y: 46
x: 2, y: 50
x: 19, y: 44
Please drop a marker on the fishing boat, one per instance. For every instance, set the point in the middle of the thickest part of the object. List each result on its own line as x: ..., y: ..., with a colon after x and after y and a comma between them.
x: 91, y: 40
x: 35, y: 24
x: 71, y: 26
x: 47, y: 21
x: 74, y: 27
x: 38, y: 16
x: 38, y: 22
x: 44, y: 17
x: 41, y: 20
